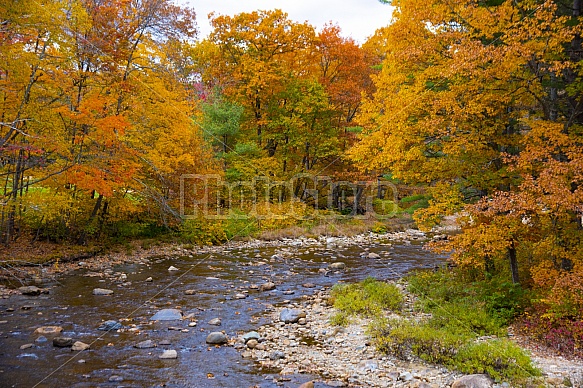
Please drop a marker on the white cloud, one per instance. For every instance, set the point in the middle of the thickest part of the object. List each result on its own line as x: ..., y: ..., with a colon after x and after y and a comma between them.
x: 358, y: 19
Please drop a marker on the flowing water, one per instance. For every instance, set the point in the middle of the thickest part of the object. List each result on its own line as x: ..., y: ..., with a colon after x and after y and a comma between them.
x: 215, y: 279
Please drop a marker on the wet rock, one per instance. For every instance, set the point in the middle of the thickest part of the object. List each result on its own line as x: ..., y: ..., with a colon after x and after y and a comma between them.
x: 241, y: 296
x: 32, y: 356
x: 26, y: 346
x: 251, y: 335
x: 79, y: 346
x: 115, y: 379
x: 252, y: 343
x: 149, y: 279
x: 291, y: 315
x: 308, y: 285
x: 254, y: 287
x: 473, y: 381
x: 48, y: 330
x: 216, y: 338
x: 190, y: 292
x: 110, y: 325
x: 148, y: 344
x: 276, y: 355
x: 215, y: 322
x: 165, y: 343
x: 338, y: 265
x: 102, y: 291
x: 41, y: 339
x: 63, y: 342
x: 31, y: 290
x: 289, y: 292
x: 308, y: 384
x: 167, y: 315
x: 373, y: 255
x: 173, y: 268
x: 169, y: 354
x: 267, y: 286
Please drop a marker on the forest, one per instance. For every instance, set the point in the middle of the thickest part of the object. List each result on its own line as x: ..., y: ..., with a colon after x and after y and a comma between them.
x: 468, y: 108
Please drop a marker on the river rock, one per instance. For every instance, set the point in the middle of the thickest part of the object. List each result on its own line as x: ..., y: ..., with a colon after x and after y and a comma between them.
x: 267, y: 286
x: 251, y: 335
x: 216, y: 338
x: 110, y: 325
x: 115, y: 379
x: 41, y: 339
x: 307, y: 384
x: 63, y: 342
x: 102, y: 291
x: 373, y: 255
x: 190, y: 292
x: 173, y: 268
x: 48, y: 330
x: 79, y: 346
x: 252, y: 343
x: 276, y: 355
x: 145, y: 344
x: 215, y: 322
x: 26, y: 346
x: 338, y: 265
x: 169, y: 354
x: 291, y: 315
x: 405, y: 376
x: 473, y: 381
x: 167, y: 315
x: 241, y: 296
x: 31, y: 290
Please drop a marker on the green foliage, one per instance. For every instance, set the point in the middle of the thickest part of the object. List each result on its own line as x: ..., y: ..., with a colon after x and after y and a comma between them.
x: 501, y: 359
x: 202, y: 232
x: 369, y: 297
x: 239, y: 224
x: 385, y: 207
x: 412, y: 203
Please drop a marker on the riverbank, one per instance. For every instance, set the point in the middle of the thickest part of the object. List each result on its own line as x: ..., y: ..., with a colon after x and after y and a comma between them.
x: 345, y: 356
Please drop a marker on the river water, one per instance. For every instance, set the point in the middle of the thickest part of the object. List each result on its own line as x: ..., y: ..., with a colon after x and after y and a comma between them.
x: 215, y: 279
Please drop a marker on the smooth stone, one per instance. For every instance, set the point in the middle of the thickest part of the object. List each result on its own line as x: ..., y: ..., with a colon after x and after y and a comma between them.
x: 251, y: 335
x: 241, y: 296
x: 169, y: 354
x: 41, y: 339
x: 373, y: 255
x: 115, y: 379
x: 473, y: 381
x: 215, y: 322
x: 307, y: 384
x: 260, y: 347
x: 276, y: 355
x: 63, y: 342
x: 110, y: 325
x: 31, y: 290
x: 145, y: 344
x: 79, y: 346
x: 102, y: 291
x: 338, y: 265
x: 252, y: 343
x: 26, y: 346
x: 267, y: 286
x: 173, y: 268
x: 291, y: 315
x: 190, y: 292
x: 308, y: 285
x: 48, y: 330
x: 167, y: 315
x: 149, y: 279
x: 216, y: 338
x: 28, y: 355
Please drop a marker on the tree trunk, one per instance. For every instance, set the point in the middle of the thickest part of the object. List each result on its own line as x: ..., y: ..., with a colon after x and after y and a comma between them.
x: 513, y: 263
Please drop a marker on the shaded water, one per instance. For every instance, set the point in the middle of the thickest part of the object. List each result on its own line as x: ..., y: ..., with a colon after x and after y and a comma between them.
x: 215, y: 278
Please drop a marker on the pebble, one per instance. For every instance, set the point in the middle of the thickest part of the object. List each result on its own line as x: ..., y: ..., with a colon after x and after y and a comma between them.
x: 148, y: 344
x: 63, y: 342
x: 102, y: 291
x: 167, y: 315
x: 215, y: 322
x: 79, y: 346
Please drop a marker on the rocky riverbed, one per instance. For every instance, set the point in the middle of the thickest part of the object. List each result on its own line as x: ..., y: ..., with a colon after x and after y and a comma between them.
x: 176, y: 316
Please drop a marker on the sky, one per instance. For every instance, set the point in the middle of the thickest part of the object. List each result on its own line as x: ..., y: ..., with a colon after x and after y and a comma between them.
x: 357, y: 19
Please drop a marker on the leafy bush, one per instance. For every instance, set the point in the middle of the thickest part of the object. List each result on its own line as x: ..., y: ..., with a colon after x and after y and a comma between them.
x: 369, y: 297
x: 501, y: 359
x: 560, y: 334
